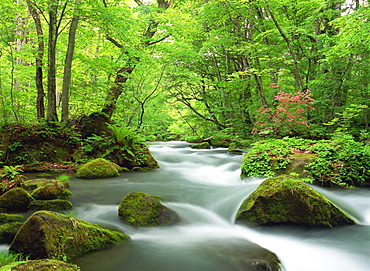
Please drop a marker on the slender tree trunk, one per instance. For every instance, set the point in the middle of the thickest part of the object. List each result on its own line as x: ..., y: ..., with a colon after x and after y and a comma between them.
x: 68, y: 66
x: 297, y: 73
x: 52, y: 104
x: 39, y: 61
x: 123, y: 74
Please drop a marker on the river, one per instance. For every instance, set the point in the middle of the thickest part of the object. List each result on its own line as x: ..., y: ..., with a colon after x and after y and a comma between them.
x: 204, y: 187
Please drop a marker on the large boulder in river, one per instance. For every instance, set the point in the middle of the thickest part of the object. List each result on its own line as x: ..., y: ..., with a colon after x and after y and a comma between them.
x: 140, y: 209
x: 47, y: 234
x: 98, y: 168
x: 40, y: 265
x: 16, y: 199
x: 285, y: 199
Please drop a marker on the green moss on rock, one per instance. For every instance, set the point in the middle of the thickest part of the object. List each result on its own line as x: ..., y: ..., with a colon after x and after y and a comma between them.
x: 8, y: 231
x: 47, y: 234
x: 140, y: 209
x: 98, y: 168
x: 16, y: 199
x: 51, y: 205
x: 284, y: 199
x: 52, y: 190
x: 32, y: 184
x: 4, y: 217
x: 202, y: 146
x: 40, y: 265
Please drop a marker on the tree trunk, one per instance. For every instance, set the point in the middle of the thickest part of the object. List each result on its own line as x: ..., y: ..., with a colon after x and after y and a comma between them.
x: 297, y: 73
x: 52, y: 105
x: 68, y: 66
x: 39, y: 61
x: 116, y: 90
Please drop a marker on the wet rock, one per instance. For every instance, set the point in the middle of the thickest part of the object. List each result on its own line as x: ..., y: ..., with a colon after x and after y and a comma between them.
x: 8, y: 231
x: 40, y: 265
x: 47, y: 234
x: 203, y: 146
x: 98, y: 168
x: 51, y: 205
x: 140, y: 209
x: 285, y: 199
x: 245, y: 255
x: 16, y: 199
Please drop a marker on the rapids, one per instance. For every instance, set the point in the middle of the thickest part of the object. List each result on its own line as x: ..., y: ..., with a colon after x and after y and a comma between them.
x: 204, y: 188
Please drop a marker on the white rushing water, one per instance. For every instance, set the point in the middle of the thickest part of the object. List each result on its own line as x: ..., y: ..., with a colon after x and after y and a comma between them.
x: 204, y: 188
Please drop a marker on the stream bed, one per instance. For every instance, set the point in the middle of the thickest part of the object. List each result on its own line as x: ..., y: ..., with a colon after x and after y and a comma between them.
x: 205, y: 188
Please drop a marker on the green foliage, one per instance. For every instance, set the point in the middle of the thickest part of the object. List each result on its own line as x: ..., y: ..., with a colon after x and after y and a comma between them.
x: 266, y: 157
x: 345, y: 119
x: 340, y: 162
x: 63, y: 177
x: 8, y: 257
x: 11, y: 173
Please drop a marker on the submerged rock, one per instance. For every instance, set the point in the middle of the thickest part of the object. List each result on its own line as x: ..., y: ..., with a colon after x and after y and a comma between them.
x: 285, y: 199
x: 244, y: 254
x: 47, y: 234
x: 16, y: 199
x: 98, y: 168
x: 140, y: 209
x: 40, y: 265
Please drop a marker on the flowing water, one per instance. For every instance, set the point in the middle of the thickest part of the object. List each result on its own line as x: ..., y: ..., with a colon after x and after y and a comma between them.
x: 204, y: 188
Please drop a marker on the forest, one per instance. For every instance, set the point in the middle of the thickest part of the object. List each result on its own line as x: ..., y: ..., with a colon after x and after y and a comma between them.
x: 187, y: 69
x: 122, y: 97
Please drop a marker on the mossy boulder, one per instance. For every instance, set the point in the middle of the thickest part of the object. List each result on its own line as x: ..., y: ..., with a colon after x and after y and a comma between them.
x: 27, y: 144
x: 284, y: 199
x: 33, y: 184
x: 51, y: 205
x: 47, y: 234
x: 51, y: 190
x: 40, y: 265
x: 98, y: 168
x: 140, y: 209
x: 201, y: 146
x: 16, y: 199
x: 8, y: 231
x: 4, y: 217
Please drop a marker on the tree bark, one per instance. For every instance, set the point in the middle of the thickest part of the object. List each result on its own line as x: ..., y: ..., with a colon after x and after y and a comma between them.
x: 68, y: 65
x: 39, y: 61
x: 123, y: 74
x: 52, y: 104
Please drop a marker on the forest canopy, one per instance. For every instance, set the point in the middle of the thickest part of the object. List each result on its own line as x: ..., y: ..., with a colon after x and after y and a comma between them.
x: 188, y: 68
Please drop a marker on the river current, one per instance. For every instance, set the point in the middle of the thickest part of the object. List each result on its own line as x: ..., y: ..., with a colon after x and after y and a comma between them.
x: 205, y: 189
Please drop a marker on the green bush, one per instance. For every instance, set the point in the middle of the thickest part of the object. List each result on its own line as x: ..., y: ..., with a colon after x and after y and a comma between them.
x: 267, y: 156
x: 341, y: 161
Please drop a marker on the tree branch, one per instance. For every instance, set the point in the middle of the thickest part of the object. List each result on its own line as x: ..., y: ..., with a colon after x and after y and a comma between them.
x: 162, y: 39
